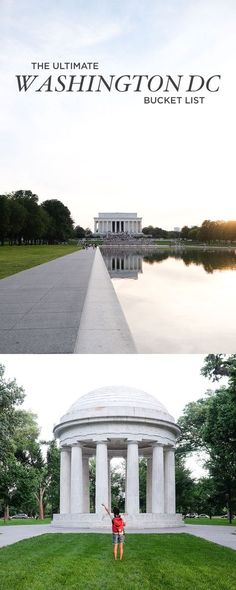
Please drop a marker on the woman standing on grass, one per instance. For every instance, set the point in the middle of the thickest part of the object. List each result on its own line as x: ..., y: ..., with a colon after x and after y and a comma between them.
x: 118, y: 525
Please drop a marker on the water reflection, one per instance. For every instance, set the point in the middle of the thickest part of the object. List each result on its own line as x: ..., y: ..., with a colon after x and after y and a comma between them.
x: 123, y: 266
x: 128, y: 264
x: 182, y: 302
x: 211, y: 261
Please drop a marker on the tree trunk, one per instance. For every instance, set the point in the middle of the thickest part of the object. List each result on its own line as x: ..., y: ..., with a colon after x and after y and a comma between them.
x: 6, y: 513
x: 40, y: 501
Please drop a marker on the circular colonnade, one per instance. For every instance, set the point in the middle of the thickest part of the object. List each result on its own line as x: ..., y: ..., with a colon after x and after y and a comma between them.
x: 117, y: 422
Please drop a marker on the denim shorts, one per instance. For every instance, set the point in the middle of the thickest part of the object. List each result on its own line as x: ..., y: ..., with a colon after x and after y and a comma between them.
x: 118, y: 538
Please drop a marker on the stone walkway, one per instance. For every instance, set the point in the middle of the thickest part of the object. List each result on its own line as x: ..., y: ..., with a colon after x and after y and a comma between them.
x: 221, y: 535
x: 103, y: 327
x: 40, y: 308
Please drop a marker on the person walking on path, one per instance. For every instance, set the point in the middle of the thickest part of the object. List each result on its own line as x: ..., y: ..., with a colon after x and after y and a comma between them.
x: 118, y: 525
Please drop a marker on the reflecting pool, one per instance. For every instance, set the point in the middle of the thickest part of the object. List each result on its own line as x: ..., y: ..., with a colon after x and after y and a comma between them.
x: 177, y: 301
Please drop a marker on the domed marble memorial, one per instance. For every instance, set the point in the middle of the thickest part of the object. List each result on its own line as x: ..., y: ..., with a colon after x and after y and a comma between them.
x: 117, y: 422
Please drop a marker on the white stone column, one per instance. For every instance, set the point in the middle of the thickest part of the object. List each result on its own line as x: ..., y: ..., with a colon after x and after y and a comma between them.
x: 65, y: 481
x: 157, y: 480
x: 109, y: 483
x: 132, y: 505
x: 126, y: 485
x: 149, y: 485
x: 76, y: 479
x: 86, y: 497
x: 101, y: 476
x: 169, y: 487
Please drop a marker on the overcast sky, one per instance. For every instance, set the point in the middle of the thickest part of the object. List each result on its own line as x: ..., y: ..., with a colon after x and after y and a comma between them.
x: 172, y: 164
x: 53, y: 382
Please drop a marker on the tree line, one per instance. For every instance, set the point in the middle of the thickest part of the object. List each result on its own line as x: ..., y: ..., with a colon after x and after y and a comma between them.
x: 24, y: 221
x: 209, y: 231
x: 158, y: 233
x: 29, y: 480
x: 209, y: 426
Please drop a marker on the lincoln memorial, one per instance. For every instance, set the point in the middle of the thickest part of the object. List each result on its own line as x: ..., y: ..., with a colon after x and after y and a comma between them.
x: 117, y: 223
x: 117, y: 422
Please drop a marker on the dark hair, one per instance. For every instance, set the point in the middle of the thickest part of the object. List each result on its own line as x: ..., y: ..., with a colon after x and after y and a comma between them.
x: 116, y: 511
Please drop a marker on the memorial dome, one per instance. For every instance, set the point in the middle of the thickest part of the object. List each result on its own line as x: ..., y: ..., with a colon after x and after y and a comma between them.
x: 117, y: 401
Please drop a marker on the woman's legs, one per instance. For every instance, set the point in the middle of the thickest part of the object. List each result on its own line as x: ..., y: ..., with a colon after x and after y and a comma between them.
x: 121, y: 550
x: 115, y: 545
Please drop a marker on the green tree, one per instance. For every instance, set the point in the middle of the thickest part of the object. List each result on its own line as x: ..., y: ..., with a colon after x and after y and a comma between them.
x: 184, y: 232
x: 210, y: 425
x: 118, y: 486
x: 79, y: 232
x: 60, y: 221
x: 217, y: 366
x: 92, y: 484
x: 22, y: 471
x: 32, y: 226
x: 185, y: 486
x: 4, y: 217
x: 18, y: 216
x: 11, y: 396
x: 53, y: 473
x: 142, y: 483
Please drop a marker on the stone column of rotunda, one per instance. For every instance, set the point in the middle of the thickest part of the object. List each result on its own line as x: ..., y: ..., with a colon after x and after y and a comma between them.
x: 132, y: 478
x: 158, y: 479
x: 101, y: 476
x: 149, y: 485
x: 76, y: 479
x: 86, y: 498
x: 169, y: 482
x: 65, y: 471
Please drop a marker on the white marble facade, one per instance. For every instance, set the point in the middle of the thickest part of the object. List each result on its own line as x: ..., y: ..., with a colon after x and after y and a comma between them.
x: 117, y: 422
x: 118, y: 223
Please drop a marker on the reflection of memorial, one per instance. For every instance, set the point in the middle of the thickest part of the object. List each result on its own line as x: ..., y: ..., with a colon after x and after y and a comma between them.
x: 123, y: 266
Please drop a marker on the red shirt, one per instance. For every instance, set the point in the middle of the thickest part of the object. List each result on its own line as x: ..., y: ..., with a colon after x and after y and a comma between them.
x: 117, y: 524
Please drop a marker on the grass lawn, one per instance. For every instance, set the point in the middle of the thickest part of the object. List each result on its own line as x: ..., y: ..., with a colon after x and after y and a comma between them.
x: 212, y: 521
x: 85, y: 562
x: 24, y: 521
x: 13, y: 259
x: 164, y: 242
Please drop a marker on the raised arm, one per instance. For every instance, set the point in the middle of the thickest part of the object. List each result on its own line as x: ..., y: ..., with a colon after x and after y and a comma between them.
x: 107, y: 510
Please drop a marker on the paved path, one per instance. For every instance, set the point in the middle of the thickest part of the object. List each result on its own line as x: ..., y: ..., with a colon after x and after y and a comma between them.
x: 40, y: 308
x: 103, y: 327
x: 13, y: 534
x: 222, y: 535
